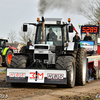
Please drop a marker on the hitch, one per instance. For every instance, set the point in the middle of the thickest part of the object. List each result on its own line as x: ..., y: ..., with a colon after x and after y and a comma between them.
x: 36, y: 65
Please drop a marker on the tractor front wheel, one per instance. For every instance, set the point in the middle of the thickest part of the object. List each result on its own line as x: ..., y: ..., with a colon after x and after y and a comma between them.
x: 8, y: 58
x: 19, y: 61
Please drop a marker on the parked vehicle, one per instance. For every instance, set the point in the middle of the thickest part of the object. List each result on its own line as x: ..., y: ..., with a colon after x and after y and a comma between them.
x: 5, y: 53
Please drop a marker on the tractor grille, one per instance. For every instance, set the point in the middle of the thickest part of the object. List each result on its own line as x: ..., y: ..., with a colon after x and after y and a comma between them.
x: 41, y: 56
x: 41, y: 47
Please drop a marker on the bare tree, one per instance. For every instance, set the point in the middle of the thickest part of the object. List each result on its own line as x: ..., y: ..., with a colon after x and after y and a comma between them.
x: 25, y: 36
x: 91, y: 11
x: 12, y: 36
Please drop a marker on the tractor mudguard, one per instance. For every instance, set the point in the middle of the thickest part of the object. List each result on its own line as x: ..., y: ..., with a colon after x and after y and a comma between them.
x: 4, y: 51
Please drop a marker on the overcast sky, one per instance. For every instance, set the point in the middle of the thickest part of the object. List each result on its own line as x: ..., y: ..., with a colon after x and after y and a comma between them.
x: 13, y: 13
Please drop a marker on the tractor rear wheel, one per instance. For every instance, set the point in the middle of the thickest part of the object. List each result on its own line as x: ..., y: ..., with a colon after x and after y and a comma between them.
x: 81, y: 66
x: 23, y: 50
x: 8, y: 58
x: 68, y: 63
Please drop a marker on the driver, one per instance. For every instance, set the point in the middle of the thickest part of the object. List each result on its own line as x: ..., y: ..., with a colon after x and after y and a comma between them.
x: 51, y: 35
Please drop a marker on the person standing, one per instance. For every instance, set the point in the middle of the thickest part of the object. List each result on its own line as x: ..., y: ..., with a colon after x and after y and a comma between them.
x: 87, y: 37
x: 76, y: 38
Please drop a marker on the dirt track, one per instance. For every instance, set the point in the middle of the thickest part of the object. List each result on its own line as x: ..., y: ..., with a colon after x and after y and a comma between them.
x: 49, y: 92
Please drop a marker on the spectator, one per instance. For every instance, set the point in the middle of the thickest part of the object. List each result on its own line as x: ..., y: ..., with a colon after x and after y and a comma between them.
x: 87, y: 37
x: 76, y: 38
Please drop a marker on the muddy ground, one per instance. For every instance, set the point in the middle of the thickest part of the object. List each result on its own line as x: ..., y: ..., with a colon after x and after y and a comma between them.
x: 48, y: 92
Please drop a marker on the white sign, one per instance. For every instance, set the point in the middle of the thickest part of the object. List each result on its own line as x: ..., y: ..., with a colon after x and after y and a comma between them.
x: 36, y: 76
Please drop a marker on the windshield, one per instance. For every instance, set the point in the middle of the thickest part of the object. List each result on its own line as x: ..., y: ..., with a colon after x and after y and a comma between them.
x: 2, y: 43
x: 52, y: 35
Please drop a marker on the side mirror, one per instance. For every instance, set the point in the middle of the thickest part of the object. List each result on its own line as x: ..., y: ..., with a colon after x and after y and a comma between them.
x: 71, y: 28
x: 24, y: 28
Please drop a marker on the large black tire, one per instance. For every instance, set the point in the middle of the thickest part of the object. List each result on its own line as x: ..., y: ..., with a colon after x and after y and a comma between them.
x: 23, y: 50
x: 68, y: 63
x: 29, y: 52
x: 14, y: 62
x: 81, y: 66
x: 1, y: 60
x: 7, y: 59
x: 22, y: 62
x: 19, y: 61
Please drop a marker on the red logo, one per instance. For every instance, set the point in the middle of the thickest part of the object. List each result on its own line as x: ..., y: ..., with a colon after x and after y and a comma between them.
x: 17, y: 74
x: 11, y: 74
x: 22, y: 74
x: 36, y: 75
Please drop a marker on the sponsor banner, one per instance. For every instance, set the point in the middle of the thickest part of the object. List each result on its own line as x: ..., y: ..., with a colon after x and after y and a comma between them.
x: 89, y: 45
x: 17, y: 72
x: 16, y: 75
x: 86, y: 43
x: 37, y: 76
x: 56, y: 78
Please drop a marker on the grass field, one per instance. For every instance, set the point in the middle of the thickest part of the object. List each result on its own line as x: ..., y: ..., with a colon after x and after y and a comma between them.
x: 3, y: 70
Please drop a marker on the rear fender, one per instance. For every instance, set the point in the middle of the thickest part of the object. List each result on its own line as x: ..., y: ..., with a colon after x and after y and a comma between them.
x: 5, y: 51
x: 8, y: 50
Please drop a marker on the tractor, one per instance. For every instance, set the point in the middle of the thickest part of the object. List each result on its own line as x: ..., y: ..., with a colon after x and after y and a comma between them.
x: 50, y: 59
x: 5, y: 53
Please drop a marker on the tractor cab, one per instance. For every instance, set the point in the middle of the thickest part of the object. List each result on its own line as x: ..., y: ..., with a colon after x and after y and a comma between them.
x: 52, y: 35
x: 51, y: 31
x: 2, y: 44
x: 90, y: 45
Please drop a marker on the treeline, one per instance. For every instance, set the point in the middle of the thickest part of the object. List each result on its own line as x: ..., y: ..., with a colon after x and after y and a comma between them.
x: 21, y: 37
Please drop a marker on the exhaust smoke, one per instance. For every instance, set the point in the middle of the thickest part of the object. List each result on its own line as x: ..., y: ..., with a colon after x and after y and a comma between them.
x: 70, y: 6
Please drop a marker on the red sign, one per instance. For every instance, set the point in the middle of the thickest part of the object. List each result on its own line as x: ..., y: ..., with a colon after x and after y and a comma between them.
x: 33, y: 75
x: 22, y: 75
x: 90, y: 29
x: 17, y: 75
x: 12, y: 74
